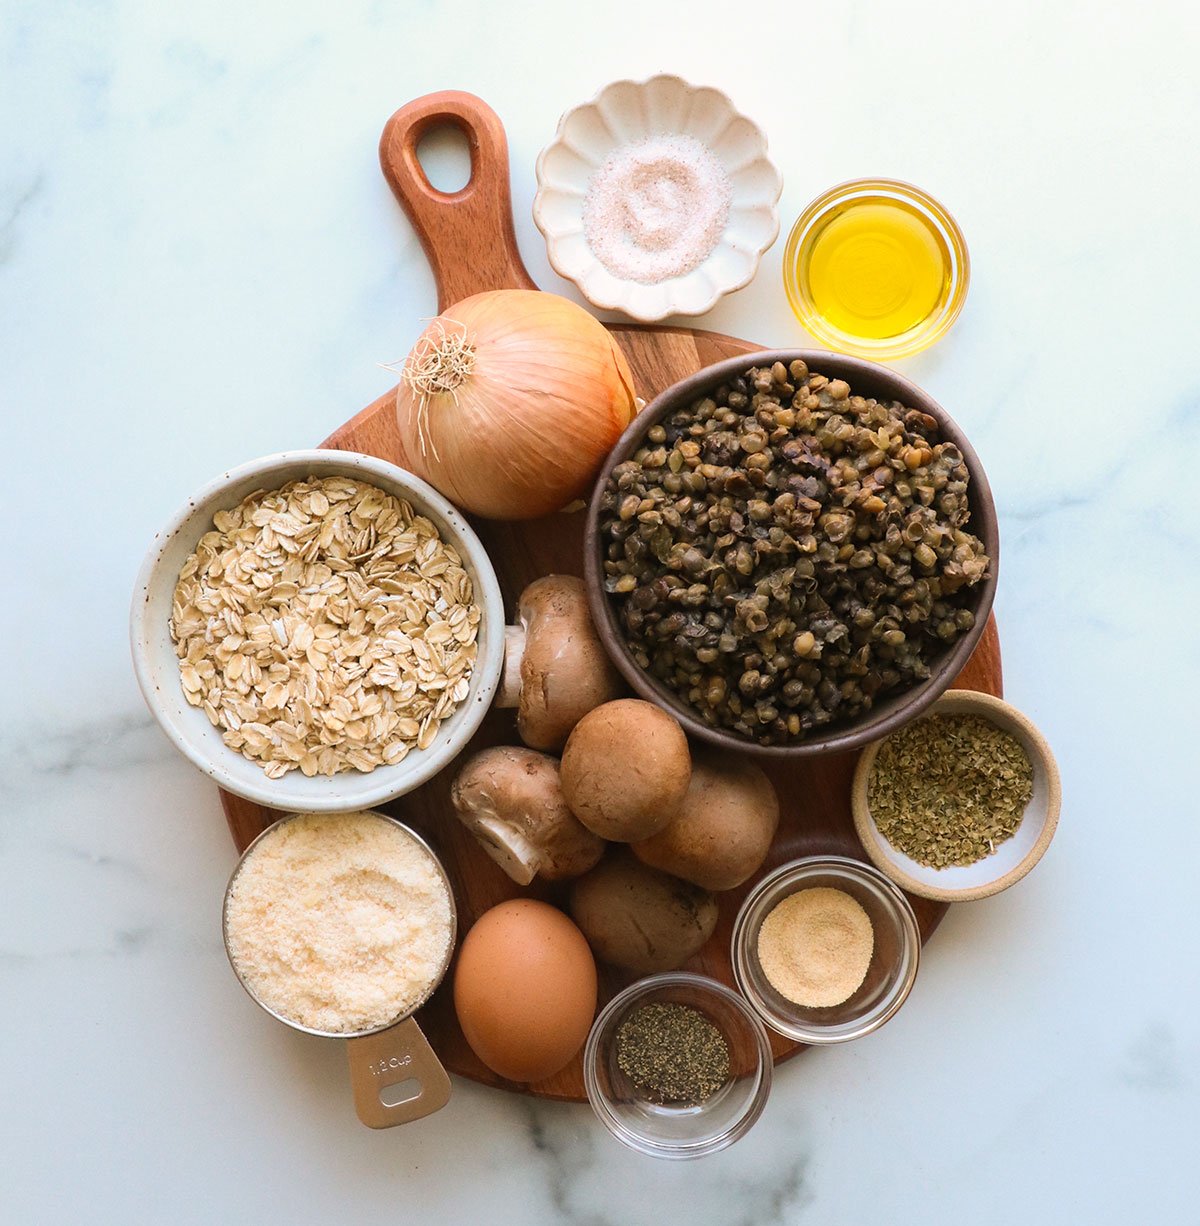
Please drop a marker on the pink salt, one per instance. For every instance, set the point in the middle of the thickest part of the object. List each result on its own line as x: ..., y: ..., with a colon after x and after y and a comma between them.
x: 656, y: 208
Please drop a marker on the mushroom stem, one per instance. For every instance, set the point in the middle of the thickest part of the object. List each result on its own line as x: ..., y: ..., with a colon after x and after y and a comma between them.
x: 509, y: 692
x: 509, y: 798
x: 515, y: 854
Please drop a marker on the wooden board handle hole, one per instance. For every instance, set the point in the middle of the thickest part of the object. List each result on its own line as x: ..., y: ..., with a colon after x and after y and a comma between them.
x: 444, y: 156
x: 467, y: 233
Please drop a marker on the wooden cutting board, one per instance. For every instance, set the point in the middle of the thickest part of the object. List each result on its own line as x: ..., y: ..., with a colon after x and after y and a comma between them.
x: 468, y: 237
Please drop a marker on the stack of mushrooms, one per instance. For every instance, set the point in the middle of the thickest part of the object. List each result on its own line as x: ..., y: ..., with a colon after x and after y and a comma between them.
x: 647, y: 831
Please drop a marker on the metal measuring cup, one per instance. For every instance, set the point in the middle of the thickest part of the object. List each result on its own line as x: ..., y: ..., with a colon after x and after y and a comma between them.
x: 394, y: 1073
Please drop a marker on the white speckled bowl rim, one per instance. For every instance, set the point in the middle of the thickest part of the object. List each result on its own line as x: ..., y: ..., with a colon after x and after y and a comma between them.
x: 1014, y: 857
x: 631, y: 297
x: 157, y: 667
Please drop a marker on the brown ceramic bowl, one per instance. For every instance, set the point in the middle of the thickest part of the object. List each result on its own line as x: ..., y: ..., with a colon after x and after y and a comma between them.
x: 865, y: 378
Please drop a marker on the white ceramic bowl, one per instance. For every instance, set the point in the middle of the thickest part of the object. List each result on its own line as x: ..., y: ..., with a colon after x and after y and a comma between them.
x: 157, y: 667
x: 627, y: 111
x: 1014, y: 857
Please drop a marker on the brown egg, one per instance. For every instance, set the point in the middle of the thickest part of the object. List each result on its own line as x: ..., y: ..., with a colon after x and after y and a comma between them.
x: 525, y: 989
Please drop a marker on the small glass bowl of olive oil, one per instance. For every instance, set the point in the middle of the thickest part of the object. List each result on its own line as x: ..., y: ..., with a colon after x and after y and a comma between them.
x: 877, y: 268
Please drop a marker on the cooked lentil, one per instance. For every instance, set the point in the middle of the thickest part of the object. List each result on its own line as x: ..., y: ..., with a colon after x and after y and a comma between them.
x: 782, y: 552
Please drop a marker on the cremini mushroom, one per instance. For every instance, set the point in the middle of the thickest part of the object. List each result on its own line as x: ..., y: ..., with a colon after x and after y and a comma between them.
x: 722, y: 832
x: 555, y: 667
x: 625, y: 769
x: 509, y: 798
x: 638, y: 918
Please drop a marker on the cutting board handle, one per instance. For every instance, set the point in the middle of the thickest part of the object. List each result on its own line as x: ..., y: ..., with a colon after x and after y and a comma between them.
x: 467, y: 235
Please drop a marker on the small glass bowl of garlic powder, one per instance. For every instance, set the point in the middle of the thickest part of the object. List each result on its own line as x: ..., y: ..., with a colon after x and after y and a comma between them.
x: 826, y: 949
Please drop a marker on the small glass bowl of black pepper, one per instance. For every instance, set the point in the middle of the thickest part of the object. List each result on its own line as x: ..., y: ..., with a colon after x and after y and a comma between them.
x: 826, y: 949
x: 677, y: 1066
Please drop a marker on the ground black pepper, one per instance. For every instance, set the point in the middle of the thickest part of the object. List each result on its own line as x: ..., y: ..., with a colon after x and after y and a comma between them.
x: 672, y: 1053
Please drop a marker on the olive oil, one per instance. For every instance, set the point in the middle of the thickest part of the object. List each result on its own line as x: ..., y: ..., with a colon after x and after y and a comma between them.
x: 877, y: 269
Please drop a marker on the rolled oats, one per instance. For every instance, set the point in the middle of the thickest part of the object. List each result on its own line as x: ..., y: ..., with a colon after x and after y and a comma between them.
x: 324, y: 627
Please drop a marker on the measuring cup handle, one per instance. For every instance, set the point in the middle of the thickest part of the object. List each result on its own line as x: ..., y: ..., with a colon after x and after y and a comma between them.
x: 398, y: 1059
x: 467, y: 235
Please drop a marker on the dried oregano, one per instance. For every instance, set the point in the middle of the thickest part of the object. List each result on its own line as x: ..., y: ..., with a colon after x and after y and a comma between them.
x: 949, y: 789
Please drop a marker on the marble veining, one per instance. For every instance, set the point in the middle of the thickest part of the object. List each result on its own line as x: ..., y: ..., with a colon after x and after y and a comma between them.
x: 13, y: 206
x: 120, y: 742
x: 200, y: 263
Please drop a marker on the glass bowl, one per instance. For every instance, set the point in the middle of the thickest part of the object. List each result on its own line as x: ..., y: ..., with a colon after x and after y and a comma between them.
x: 672, y: 1130
x: 894, y: 959
x: 831, y: 204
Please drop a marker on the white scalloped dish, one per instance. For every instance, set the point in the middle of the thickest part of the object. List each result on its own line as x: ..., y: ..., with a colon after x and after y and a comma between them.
x: 627, y: 112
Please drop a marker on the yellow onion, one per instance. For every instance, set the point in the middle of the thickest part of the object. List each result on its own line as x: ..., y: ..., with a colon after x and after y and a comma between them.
x: 510, y: 400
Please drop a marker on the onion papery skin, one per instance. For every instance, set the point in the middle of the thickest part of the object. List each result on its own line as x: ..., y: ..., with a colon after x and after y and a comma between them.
x: 526, y: 431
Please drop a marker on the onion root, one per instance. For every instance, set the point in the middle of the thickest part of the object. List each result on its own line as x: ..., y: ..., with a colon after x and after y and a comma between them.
x: 438, y: 365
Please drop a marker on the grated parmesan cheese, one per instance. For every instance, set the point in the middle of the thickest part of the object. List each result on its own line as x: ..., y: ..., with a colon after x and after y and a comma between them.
x: 339, y: 922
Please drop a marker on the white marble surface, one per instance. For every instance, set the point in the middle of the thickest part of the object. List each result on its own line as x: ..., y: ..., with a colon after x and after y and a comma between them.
x: 200, y: 263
